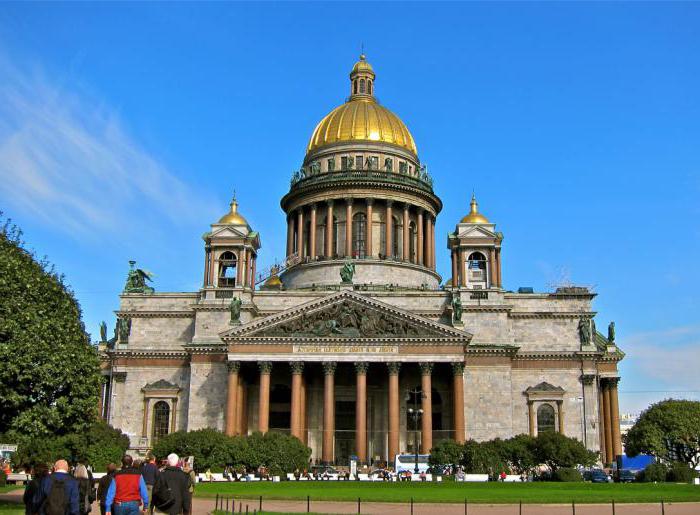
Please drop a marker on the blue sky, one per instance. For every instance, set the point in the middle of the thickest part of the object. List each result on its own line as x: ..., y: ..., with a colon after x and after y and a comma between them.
x: 124, y: 129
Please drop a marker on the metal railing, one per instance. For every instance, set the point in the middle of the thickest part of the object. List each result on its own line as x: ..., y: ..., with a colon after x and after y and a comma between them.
x: 423, y: 181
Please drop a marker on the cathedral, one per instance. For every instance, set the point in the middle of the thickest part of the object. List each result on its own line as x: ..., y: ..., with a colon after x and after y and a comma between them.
x: 354, y: 344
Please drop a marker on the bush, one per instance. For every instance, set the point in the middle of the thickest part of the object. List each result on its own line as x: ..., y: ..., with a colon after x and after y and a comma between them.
x: 567, y: 475
x: 680, y: 472
x: 214, y: 450
x: 556, y: 451
x: 446, y: 452
x: 519, y: 452
x: 99, y: 445
x: 3, y: 478
x: 654, y: 473
x: 484, y: 457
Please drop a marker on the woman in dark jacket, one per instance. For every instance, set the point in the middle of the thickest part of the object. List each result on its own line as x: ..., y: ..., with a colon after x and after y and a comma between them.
x: 40, y: 472
x: 86, y: 490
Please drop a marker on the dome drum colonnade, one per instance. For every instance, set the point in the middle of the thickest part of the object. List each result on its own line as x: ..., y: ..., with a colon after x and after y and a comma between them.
x: 235, y: 422
x: 377, y: 205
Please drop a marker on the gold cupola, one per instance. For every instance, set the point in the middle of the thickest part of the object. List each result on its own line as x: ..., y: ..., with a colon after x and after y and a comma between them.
x: 474, y: 217
x: 361, y: 118
x: 233, y: 217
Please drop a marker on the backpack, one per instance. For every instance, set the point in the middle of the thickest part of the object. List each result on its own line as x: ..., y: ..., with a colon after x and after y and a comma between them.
x: 56, y: 502
x: 163, y: 497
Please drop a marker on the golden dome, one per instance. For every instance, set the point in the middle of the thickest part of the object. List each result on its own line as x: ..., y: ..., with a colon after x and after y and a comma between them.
x: 233, y: 217
x: 362, y: 66
x: 474, y: 217
x: 361, y: 118
x: 273, y: 282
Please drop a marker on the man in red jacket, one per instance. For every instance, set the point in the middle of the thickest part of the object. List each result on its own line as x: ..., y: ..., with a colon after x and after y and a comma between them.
x: 127, y: 491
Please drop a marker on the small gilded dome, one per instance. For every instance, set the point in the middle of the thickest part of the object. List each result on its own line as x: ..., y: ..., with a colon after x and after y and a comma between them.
x: 233, y: 217
x: 361, y: 118
x: 474, y: 217
x: 362, y: 66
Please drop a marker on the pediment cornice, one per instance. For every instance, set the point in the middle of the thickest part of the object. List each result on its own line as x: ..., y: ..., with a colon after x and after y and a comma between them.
x: 346, y: 316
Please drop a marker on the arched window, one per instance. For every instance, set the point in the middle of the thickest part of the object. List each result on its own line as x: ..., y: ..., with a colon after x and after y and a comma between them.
x: 362, y: 85
x: 338, y: 226
x: 161, y: 420
x: 396, y: 233
x: 369, y: 87
x: 354, y: 86
x: 545, y: 419
x: 412, y: 242
x: 359, y: 235
x: 477, y: 261
x: 382, y: 237
x: 227, y: 269
x: 307, y: 239
x: 280, y: 407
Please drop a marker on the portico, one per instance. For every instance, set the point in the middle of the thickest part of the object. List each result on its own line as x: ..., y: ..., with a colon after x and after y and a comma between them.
x: 356, y: 380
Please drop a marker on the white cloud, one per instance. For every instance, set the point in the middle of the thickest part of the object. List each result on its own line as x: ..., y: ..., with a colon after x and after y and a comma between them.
x: 66, y: 159
x: 665, y: 363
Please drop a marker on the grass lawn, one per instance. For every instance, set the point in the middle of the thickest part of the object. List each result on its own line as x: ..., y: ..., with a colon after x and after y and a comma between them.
x: 10, y: 508
x: 456, y: 492
x: 8, y: 488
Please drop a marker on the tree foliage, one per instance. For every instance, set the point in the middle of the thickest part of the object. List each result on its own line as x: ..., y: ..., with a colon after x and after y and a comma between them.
x: 669, y: 430
x: 446, y: 452
x: 99, y: 445
x: 49, y: 378
x: 556, y: 451
x: 214, y: 450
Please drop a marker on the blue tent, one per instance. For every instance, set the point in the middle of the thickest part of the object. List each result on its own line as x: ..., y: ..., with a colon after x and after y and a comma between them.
x: 637, y: 463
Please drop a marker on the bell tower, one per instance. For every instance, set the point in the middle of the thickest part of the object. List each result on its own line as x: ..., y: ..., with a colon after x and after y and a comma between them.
x: 476, y: 252
x: 231, y: 250
x: 362, y: 79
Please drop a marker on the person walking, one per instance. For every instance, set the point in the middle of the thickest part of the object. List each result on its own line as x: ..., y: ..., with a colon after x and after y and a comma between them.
x: 39, y: 473
x: 58, y: 494
x: 103, y: 486
x: 171, y: 493
x: 150, y: 472
x: 127, y: 491
x: 86, y: 492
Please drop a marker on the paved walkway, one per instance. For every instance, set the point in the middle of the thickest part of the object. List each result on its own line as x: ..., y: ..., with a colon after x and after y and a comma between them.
x: 204, y: 506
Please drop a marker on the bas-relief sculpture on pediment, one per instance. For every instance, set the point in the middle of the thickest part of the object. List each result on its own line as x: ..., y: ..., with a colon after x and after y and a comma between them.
x: 351, y: 320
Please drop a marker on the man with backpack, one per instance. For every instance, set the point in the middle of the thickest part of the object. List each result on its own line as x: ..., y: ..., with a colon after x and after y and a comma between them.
x: 171, y: 493
x: 127, y: 491
x: 58, y: 494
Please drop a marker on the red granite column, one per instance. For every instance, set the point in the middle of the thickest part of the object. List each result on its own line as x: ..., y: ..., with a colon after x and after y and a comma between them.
x: 231, y: 394
x: 393, y: 410
x: 361, y: 411
x: 328, y: 412
x: 426, y: 370
x: 264, y: 400
x: 458, y: 397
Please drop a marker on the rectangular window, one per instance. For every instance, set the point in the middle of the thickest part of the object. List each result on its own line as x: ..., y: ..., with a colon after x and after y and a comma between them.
x: 358, y: 162
x: 374, y: 163
x: 344, y: 163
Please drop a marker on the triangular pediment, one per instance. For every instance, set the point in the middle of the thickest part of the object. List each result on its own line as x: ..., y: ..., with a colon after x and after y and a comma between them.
x: 345, y: 315
x: 475, y: 231
x: 229, y: 231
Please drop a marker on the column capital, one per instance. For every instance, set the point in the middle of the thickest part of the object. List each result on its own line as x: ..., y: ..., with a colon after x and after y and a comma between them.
x: 369, y: 201
x: 426, y: 368
x: 329, y: 367
x: 587, y: 379
x: 361, y: 367
x: 349, y: 201
x: 233, y: 366
x: 458, y: 368
x: 313, y: 206
x: 406, y: 206
x: 612, y: 382
x: 265, y: 367
x: 297, y: 367
x: 394, y: 368
x: 329, y: 202
x: 389, y: 202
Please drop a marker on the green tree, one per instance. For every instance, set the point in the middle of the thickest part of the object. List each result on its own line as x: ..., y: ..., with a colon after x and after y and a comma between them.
x: 484, y: 457
x: 99, y: 445
x: 210, y: 448
x: 519, y: 452
x: 446, y: 452
x: 556, y: 450
x: 669, y: 430
x: 49, y: 378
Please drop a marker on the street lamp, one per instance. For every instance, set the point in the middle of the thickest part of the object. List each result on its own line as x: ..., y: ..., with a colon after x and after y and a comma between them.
x: 415, y: 413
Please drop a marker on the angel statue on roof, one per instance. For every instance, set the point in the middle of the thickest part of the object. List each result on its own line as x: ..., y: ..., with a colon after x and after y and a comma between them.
x: 136, y: 280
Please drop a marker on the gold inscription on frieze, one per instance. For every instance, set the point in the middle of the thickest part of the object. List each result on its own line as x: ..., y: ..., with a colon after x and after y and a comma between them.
x: 346, y: 349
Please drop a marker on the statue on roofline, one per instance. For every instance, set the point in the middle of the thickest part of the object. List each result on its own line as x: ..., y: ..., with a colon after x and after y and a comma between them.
x: 136, y: 280
x: 584, y: 331
x: 611, y: 332
x: 235, y: 311
x: 456, y: 308
x: 347, y: 272
x: 103, y: 331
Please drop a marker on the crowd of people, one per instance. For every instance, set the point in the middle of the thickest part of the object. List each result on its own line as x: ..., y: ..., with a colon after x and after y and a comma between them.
x: 137, y: 487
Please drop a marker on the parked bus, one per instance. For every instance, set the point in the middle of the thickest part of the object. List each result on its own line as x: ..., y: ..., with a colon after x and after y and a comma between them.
x: 404, y: 462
